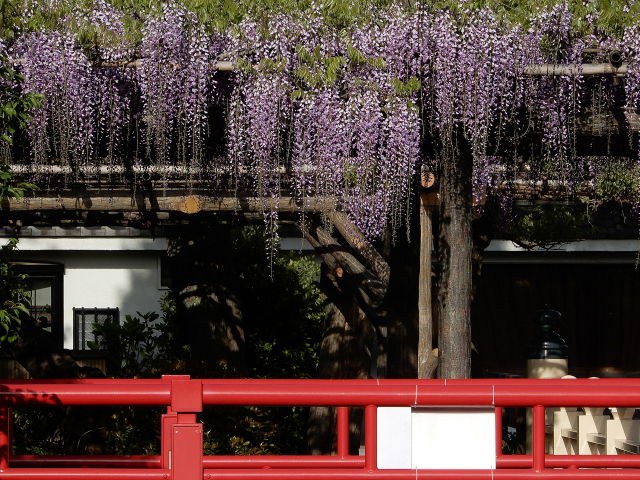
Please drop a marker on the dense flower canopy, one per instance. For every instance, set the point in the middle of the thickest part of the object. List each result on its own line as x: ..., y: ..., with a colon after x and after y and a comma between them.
x: 319, y: 104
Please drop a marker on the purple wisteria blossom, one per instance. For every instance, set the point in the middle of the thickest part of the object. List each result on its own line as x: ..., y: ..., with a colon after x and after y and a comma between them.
x: 316, y: 108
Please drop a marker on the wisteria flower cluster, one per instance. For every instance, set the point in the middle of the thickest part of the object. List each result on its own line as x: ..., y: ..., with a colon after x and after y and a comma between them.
x: 314, y: 108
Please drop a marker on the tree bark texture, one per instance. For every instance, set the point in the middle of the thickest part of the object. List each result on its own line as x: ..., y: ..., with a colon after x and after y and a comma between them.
x: 352, y: 277
x: 209, y: 318
x: 215, y: 333
x: 455, y: 264
x: 344, y: 353
x: 355, y: 332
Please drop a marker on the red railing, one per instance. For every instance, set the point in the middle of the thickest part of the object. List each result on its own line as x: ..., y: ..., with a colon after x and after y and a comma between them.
x: 181, y: 455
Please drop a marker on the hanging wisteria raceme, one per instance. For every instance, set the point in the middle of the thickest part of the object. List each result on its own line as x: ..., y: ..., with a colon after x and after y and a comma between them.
x: 556, y: 100
x: 63, y: 130
x: 115, y: 83
x: 263, y: 112
x: 175, y: 80
x: 321, y: 144
x: 317, y: 107
x: 631, y: 43
x: 384, y: 122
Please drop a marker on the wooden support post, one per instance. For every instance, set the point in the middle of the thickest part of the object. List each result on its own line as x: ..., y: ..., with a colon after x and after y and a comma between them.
x: 427, y: 356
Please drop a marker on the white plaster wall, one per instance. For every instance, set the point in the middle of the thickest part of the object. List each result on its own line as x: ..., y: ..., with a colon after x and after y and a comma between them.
x: 128, y: 280
x: 124, y: 280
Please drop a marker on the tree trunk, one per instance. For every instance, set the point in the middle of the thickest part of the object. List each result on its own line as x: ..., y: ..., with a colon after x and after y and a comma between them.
x: 344, y: 353
x: 215, y: 332
x: 455, y: 263
x: 209, y: 318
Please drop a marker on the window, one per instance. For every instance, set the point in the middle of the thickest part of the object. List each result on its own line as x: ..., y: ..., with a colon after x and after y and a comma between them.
x: 44, y: 283
x: 84, y: 320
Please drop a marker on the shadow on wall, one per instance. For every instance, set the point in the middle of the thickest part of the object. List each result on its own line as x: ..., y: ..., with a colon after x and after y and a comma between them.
x: 128, y: 281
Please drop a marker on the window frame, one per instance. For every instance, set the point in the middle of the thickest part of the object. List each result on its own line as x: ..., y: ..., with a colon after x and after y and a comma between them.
x: 35, y: 270
x: 78, y: 317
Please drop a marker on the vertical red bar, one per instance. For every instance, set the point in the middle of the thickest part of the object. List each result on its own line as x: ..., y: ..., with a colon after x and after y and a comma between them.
x: 538, y: 437
x: 370, y: 437
x: 187, y: 452
x: 498, y: 413
x: 342, y: 432
x: 5, y: 437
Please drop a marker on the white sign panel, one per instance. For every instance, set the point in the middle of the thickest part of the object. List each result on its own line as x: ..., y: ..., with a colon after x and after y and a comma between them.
x: 436, y: 438
x: 394, y: 437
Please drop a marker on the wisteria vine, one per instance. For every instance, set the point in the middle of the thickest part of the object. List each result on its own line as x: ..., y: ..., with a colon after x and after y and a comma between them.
x: 312, y: 108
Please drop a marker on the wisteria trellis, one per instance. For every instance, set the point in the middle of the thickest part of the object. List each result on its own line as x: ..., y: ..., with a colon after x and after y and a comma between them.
x: 349, y: 112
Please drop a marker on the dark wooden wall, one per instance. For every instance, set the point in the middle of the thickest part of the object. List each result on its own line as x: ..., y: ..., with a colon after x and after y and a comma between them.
x: 600, y: 304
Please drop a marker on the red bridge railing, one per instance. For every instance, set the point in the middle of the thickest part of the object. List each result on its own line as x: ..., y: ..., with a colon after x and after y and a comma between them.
x: 181, y: 455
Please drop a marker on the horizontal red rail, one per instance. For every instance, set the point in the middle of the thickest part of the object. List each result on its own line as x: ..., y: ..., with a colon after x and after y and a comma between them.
x: 344, y: 474
x: 600, y: 393
x: 321, y: 474
x: 85, y: 394
x: 85, y: 473
x: 566, y: 461
x: 306, y: 461
x: 358, y: 394
x: 218, y: 461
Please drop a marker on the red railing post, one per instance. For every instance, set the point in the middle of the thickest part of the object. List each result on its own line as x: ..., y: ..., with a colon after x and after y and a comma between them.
x: 370, y: 437
x: 167, y: 421
x: 538, y: 437
x: 5, y: 437
x: 498, y: 414
x: 342, y: 432
x: 185, y: 457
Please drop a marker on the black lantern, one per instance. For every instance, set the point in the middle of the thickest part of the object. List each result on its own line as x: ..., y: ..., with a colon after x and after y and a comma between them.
x: 548, y: 343
x: 548, y: 352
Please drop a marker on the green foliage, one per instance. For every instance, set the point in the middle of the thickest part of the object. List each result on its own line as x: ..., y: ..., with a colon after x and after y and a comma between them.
x: 132, y: 347
x: 617, y: 181
x: 14, y: 106
x: 14, y: 114
x: 13, y: 295
x: 407, y: 88
x: 548, y: 225
x: 282, y: 317
x: 612, y: 15
x: 219, y: 15
x: 282, y: 312
x: 316, y: 70
x: 12, y: 190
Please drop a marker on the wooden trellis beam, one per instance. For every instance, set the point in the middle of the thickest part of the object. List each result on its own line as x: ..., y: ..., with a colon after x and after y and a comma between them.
x: 548, y: 69
x: 587, y: 69
x: 184, y: 204
x: 545, y: 69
